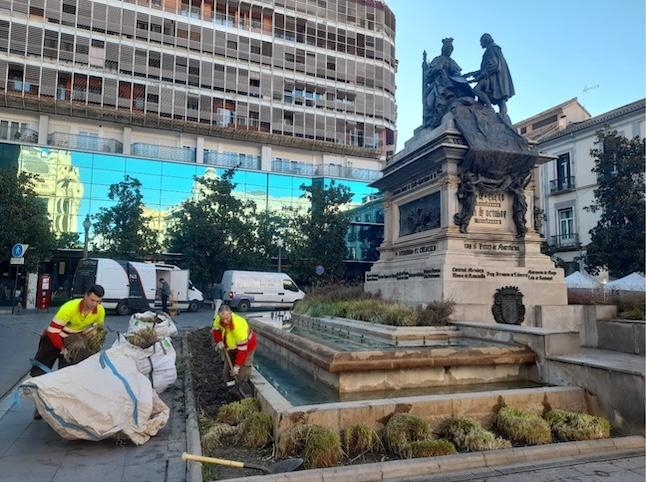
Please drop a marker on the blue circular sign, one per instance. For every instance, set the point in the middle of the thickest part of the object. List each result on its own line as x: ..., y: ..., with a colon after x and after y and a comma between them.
x: 18, y: 250
x: 319, y: 270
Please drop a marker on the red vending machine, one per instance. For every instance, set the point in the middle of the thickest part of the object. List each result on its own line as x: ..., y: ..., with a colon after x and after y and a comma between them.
x: 44, y: 297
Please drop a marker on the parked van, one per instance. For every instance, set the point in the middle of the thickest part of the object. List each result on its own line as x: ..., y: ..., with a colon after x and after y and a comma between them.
x: 259, y: 289
x: 133, y: 286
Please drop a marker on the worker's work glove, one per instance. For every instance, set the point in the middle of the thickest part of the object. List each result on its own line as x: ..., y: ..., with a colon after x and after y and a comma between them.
x: 220, y: 345
x: 235, y: 370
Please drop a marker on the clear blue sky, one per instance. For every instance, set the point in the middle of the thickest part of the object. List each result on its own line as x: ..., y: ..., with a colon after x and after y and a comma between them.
x: 554, y: 48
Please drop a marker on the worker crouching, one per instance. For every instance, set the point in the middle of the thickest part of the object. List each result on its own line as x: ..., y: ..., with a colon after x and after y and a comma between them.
x: 231, y: 331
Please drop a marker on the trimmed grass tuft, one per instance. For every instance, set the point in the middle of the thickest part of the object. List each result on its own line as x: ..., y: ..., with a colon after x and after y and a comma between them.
x: 319, y: 447
x: 522, y: 427
x: 257, y: 430
x: 571, y: 426
x: 237, y: 412
x: 469, y: 436
x: 218, y: 435
x: 402, y: 429
x: 359, y: 440
x: 430, y: 448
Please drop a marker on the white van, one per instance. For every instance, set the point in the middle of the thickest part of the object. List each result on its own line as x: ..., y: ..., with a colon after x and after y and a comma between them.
x: 133, y: 286
x: 258, y: 289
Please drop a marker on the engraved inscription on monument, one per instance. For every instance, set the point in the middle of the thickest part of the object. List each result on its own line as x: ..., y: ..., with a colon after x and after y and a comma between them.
x: 423, y: 214
x: 492, y: 210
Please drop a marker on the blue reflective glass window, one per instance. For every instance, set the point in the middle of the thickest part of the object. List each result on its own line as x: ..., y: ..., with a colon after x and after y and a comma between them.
x: 107, y: 162
x: 134, y: 166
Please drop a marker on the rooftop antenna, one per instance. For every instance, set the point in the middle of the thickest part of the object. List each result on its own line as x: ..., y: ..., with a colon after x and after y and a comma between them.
x: 587, y: 88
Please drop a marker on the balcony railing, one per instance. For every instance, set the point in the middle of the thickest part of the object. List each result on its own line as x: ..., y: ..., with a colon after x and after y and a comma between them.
x: 153, y: 151
x: 562, y: 184
x: 563, y: 241
x: 292, y: 167
x: 333, y: 170
x: 231, y: 159
x: 84, y: 143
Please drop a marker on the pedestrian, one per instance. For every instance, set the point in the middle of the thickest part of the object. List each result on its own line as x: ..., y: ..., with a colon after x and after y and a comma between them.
x: 231, y: 331
x: 78, y: 315
x: 164, y: 292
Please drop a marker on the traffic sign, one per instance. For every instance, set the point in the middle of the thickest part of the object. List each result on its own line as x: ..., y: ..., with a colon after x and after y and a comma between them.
x: 18, y: 250
x: 15, y: 260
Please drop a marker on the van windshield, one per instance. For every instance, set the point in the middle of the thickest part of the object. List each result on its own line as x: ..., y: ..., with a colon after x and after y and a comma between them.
x: 290, y: 285
x: 84, y: 277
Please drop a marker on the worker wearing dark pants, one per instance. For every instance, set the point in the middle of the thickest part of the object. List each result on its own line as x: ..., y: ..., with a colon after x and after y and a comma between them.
x: 164, y: 292
x: 75, y: 316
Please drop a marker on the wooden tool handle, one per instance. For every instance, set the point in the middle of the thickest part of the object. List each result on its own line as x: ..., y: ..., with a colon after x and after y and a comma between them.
x: 212, y: 460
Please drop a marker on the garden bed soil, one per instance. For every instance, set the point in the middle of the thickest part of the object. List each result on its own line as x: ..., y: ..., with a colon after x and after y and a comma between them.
x: 211, y: 393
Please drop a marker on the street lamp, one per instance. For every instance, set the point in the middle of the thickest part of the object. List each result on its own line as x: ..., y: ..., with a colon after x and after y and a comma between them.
x: 279, y: 243
x: 86, y: 225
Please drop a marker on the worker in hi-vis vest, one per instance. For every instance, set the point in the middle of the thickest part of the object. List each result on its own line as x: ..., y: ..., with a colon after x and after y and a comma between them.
x: 231, y: 331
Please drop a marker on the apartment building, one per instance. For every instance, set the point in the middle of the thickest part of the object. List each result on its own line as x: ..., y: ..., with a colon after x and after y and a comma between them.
x: 566, y: 185
x: 287, y: 91
x: 552, y: 120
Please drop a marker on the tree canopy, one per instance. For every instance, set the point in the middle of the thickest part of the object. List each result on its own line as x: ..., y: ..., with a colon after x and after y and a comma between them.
x: 318, y: 235
x: 617, y: 241
x: 122, y: 230
x: 23, y: 218
x: 214, y: 230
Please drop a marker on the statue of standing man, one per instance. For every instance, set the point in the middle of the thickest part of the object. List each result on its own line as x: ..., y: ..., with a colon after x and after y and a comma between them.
x: 494, y: 84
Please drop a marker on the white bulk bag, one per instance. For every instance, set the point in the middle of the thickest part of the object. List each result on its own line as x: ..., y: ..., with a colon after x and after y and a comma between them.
x: 157, y: 362
x: 103, y: 396
x: 163, y: 323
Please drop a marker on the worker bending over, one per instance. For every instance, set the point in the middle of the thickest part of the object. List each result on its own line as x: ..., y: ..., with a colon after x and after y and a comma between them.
x: 231, y: 331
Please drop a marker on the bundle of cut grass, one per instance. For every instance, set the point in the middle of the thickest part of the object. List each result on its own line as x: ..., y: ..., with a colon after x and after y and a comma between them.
x: 80, y: 346
x: 430, y: 448
x: 402, y: 429
x: 571, y: 426
x: 322, y: 449
x: 291, y: 442
x: 256, y: 430
x: 522, y: 427
x: 359, y: 440
x: 237, y: 412
x: 219, y: 435
x: 319, y: 447
x: 468, y: 435
x: 144, y: 338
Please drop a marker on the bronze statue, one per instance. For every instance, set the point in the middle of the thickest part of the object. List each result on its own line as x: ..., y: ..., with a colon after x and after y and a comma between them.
x: 494, y: 84
x: 442, y: 84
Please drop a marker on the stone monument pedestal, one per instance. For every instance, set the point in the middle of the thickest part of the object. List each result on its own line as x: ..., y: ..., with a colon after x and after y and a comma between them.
x: 425, y: 257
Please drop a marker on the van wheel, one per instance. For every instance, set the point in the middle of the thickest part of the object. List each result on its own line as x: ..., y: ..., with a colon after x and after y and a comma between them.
x: 193, y: 306
x: 122, y: 308
x: 244, y: 305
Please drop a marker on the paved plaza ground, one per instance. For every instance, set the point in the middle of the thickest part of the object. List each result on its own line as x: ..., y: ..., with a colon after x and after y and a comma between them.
x: 31, y: 451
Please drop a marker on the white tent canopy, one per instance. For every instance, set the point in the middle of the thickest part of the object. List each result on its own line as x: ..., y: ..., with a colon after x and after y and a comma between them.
x: 579, y: 280
x: 632, y: 282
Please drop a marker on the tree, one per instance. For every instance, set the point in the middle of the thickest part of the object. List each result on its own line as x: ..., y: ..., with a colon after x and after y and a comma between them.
x: 617, y: 241
x: 23, y: 218
x: 271, y: 227
x: 123, y: 230
x: 318, y: 236
x: 214, y: 230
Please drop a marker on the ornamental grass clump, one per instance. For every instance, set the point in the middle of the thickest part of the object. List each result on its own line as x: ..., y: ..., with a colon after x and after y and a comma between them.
x: 80, y: 346
x: 469, y: 436
x: 256, y: 430
x: 402, y: 429
x: 218, y: 435
x: 359, y: 440
x: 291, y: 442
x: 319, y: 447
x: 571, y: 426
x: 144, y: 338
x: 235, y: 413
x: 430, y: 448
x: 436, y: 313
x: 522, y: 427
x: 322, y: 448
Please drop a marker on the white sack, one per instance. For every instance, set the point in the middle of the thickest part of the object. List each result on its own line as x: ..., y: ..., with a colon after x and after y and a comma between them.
x: 103, y: 396
x: 156, y: 362
x: 164, y: 326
